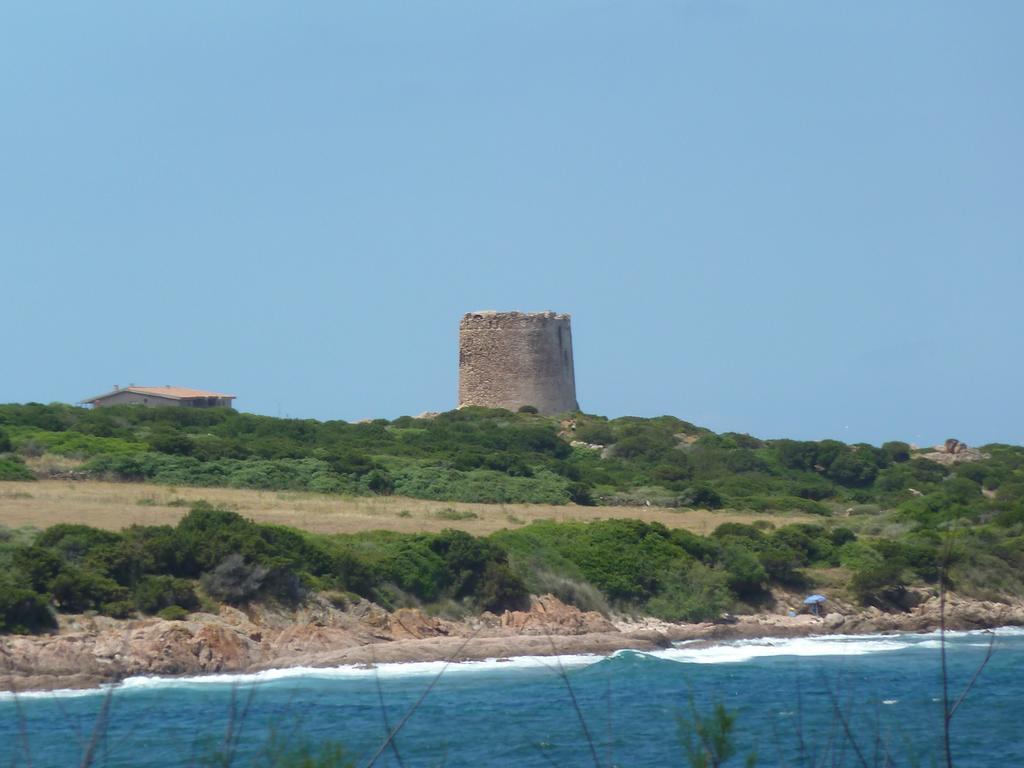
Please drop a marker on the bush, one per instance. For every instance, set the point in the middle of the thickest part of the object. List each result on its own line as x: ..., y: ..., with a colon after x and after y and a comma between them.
x: 745, y: 574
x: 853, y: 468
x: 595, y: 433
x: 167, y: 441
x: 234, y: 580
x: 173, y: 613
x: 23, y: 611
x: 872, y: 573
x: 702, y: 497
x: 118, y: 609
x: 14, y: 469
x: 380, y: 481
x: 692, y: 592
x: 896, y: 452
x: 76, y: 590
x: 154, y: 593
x: 37, y: 565
x: 582, y: 494
x: 796, y: 454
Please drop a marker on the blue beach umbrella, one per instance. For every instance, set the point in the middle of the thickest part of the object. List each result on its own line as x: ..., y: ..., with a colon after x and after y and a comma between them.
x: 814, y: 599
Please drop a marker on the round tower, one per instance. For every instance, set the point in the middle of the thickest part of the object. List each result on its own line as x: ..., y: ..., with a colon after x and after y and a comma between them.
x: 512, y: 359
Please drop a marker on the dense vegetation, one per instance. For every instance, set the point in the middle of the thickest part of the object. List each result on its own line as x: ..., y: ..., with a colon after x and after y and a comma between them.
x: 888, y: 517
x: 482, y: 455
x: 215, y: 555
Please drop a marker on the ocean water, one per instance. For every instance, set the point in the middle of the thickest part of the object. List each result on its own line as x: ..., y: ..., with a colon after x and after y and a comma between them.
x: 867, y: 700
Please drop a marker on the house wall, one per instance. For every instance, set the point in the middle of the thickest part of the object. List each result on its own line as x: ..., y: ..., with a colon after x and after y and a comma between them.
x: 135, y: 398
x: 125, y: 397
x: 512, y: 359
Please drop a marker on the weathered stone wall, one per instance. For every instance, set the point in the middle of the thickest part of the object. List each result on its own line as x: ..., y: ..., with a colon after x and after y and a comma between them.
x: 512, y: 359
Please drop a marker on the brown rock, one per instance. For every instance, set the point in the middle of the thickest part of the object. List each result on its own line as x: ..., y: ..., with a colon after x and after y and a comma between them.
x: 549, y: 615
x: 406, y: 623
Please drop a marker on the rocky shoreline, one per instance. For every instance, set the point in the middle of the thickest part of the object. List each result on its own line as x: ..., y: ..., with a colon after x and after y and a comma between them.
x: 88, y: 651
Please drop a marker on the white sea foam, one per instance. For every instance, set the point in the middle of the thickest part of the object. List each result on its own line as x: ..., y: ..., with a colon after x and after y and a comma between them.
x: 382, y: 671
x: 386, y: 670
x: 747, y: 650
x: 696, y: 652
x: 61, y: 693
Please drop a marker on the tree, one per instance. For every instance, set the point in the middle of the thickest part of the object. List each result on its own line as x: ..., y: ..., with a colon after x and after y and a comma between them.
x: 853, y: 469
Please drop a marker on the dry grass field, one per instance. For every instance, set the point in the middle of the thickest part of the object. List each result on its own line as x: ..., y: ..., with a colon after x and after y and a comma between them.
x: 116, y: 505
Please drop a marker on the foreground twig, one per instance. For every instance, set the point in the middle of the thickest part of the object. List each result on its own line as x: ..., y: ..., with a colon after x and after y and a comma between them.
x: 383, y: 709
x: 845, y: 723
x: 99, y: 730
x: 575, y: 703
x: 412, y: 710
x: 232, y: 734
x: 22, y: 724
x: 977, y: 673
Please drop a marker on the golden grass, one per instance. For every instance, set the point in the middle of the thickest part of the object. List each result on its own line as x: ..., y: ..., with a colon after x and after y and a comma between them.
x: 117, y: 505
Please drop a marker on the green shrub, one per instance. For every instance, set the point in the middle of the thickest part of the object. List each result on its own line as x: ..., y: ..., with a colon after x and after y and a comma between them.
x: 76, y: 590
x: 234, y: 580
x: 14, y: 469
x: 701, y: 497
x: 872, y: 573
x: 154, y: 593
x: 118, y: 609
x: 173, y: 613
x: 692, y: 592
x: 781, y: 562
x: 896, y: 452
x: 23, y: 611
x: 796, y: 454
x: 745, y: 575
x: 582, y: 494
x: 853, y: 469
x: 37, y: 565
x: 380, y: 481
x: 596, y: 433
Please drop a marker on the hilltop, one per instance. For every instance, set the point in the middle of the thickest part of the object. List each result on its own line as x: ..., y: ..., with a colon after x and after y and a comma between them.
x: 481, y: 455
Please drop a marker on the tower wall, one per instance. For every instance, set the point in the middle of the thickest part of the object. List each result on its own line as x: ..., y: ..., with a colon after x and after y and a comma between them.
x: 512, y: 359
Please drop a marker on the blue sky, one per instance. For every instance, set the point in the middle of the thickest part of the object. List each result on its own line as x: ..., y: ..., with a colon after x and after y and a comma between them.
x: 795, y: 219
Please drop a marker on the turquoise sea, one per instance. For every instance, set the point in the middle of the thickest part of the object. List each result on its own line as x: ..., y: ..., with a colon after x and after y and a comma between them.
x: 837, y: 701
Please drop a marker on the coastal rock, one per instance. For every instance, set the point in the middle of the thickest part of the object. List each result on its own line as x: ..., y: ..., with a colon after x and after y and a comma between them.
x: 87, y: 650
x: 549, y: 615
x: 651, y: 636
x: 834, y: 620
x: 306, y: 638
x: 412, y: 623
x: 137, y: 648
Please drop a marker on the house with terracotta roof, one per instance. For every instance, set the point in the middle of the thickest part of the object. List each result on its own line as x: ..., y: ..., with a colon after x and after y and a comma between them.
x: 182, y: 397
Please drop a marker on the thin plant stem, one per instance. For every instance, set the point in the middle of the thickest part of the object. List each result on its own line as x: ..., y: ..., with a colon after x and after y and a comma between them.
x: 383, y: 707
x: 412, y: 710
x: 575, y: 702
x: 99, y: 730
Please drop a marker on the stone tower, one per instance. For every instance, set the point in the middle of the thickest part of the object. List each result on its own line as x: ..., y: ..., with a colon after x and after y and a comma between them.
x: 512, y: 359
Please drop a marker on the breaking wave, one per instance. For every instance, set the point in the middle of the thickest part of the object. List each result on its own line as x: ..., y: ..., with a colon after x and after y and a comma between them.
x: 689, y: 652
